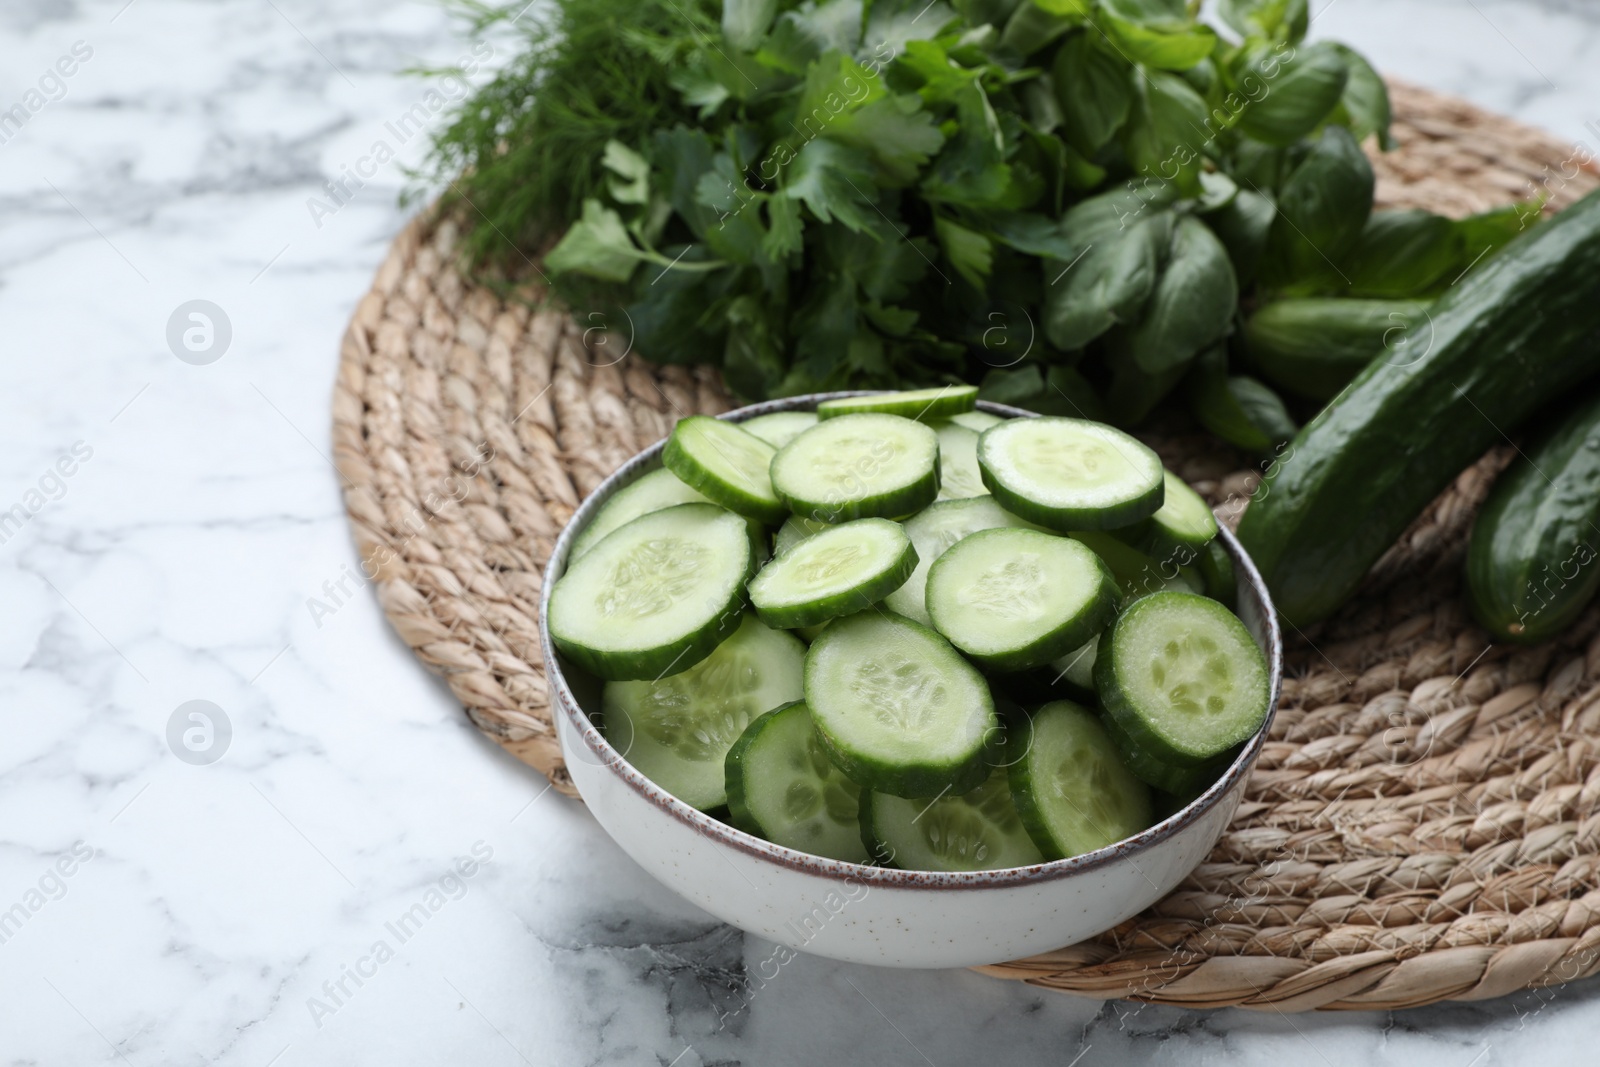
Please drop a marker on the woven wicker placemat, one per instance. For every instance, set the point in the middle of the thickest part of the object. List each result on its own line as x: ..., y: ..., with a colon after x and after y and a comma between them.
x: 1422, y: 824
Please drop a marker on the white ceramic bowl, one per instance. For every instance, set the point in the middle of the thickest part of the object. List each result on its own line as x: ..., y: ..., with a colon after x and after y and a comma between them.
x: 847, y: 911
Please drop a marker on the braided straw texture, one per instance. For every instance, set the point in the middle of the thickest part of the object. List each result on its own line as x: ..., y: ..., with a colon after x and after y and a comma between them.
x: 1422, y: 824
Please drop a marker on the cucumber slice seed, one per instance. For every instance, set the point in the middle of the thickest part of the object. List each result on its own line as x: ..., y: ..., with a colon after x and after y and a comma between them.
x: 959, y: 477
x: 655, y: 595
x: 842, y: 570
x: 677, y: 730
x: 897, y: 708
x: 979, y: 830
x: 859, y: 466
x: 726, y: 464
x: 1183, y: 678
x: 652, y: 492
x: 782, y: 787
x: 932, y: 531
x: 1070, y: 785
x: 939, y: 402
x: 1070, y: 474
x: 1015, y: 599
x: 780, y: 427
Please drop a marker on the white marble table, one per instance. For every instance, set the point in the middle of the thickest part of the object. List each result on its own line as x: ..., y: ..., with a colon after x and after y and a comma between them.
x: 253, y: 909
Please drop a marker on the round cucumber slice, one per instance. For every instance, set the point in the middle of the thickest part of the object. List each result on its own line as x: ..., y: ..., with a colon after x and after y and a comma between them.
x: 898, y: 709
x: 940, y: 402
x: 976, y: 421
x: 677, y: 730
x: 1069, y: 784
x: 796, y: 528
x: 654, y: 491
x: 780, y: 427
x: 655, y: 595
x: 842, y: 570
x: 726, y: 464
x: 959, y: 477
x: 859, y: 466
x: 1070, y: 474
x: 782, y: 787
x: 932, y: 531
x: 1178, y: 530
x: 1015, y: 599
x: 979, y: 830
x: 1182, y: 677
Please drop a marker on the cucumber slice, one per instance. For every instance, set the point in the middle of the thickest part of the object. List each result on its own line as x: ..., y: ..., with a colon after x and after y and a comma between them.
x: 1216, y: 567
x: 976, y: 421
x: 1137, y: 574
x: 940, y: 402
x: 1076, y: 668
x: 780, y: 427
x: 725, y: 463
x: 1182, y: 677
x: 796, y: 528
x: 1183, y: 522
x: 677, y: 730
x: 934, y: 530
x: 958, y: 463
x: 782, y: 786
x: 842, y: 570
x: 979, y: 830
x: 898, y: 709
x: 1070, y: 474
x: 1167, y: 777
x: 655, y: 595
x: 1069, y: 784
x: 859, y: 466
x: 654, y: 491
x: 1015, y: 599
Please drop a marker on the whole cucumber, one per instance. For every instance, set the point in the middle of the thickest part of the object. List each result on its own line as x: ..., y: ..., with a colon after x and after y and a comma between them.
x: 1519, y: 330
x: 1314, y: 346
x: 1531, y: 561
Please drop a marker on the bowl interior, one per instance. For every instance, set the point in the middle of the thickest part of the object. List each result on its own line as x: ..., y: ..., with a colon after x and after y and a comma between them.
x: 576, y: 695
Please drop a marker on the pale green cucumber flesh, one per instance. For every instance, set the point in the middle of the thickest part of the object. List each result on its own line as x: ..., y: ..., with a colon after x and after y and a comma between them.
x: 976, y: 421
x: 729, y: 466
x: 932, y: 531
x: 978, y: 830
x: 839, y: 571
x: 1070, y: 474
x: 938, y: 402
x: 858, y: 466
x: 780, y: 427
x: 794, y: 530
x: 655, y: 595
x: 677, y: 730
x: 1016, y: 599
x: 782, y: 787
x: 959, y: 476
x: 1070, y: 785
x: 899, y: 710
x: 652, y: 492
x: 1167, y: 777
x: 1183, y: 678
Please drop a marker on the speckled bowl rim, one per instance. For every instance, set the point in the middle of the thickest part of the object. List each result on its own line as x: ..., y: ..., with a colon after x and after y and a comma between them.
x: 721, y: 833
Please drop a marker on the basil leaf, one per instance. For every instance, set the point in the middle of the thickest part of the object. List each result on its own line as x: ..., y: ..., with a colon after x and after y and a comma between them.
x: 1149, y: 12
x: 1135, y: 392
x: 1239, y: 409
x: 1191, y: 306
x: 1364, y: 105
x: 745, y: 22
x: 1484, y: 234
x: 1296, y: 91
x: 1243, y: 225
x: 1107, y: 284
x: 1266, y: 18
x: 1166, y: 130
x: 1402, y: 253
x: 1177, y: 46
x: 1031, y: 26
x: 1094, y: 89
x: 1322, y: 209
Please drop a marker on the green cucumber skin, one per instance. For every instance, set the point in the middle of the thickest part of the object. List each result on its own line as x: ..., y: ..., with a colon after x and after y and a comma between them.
x: 1519, y: 330
x: 738, y: 806
x: 1158, y: 774
x: 958, y: 400
x: 677, y: 459
x: 1019, y: 742
x: 1530, y: 561
x: 1314, y: 346
x: 821, y: 610
x: 895, y: 504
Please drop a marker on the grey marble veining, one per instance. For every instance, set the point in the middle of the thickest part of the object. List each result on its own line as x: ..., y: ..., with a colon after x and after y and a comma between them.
x: 359, y: 877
